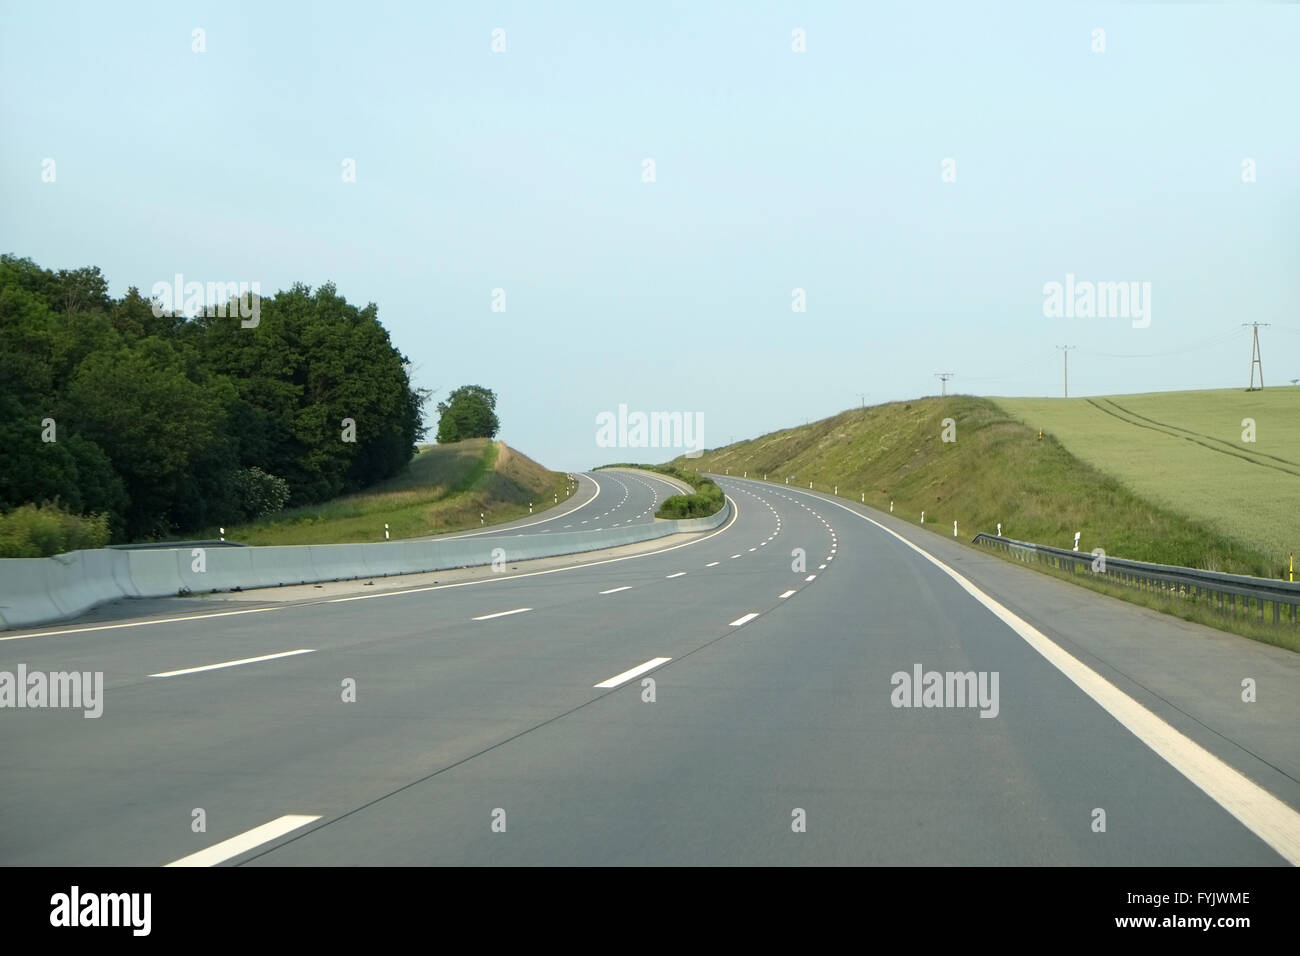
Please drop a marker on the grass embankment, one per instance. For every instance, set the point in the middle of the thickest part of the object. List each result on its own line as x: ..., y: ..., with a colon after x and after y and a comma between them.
x: 999, y: 470
x: 444, y: 488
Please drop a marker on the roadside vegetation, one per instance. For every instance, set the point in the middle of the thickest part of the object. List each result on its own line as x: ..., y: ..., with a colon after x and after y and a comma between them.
x: 37, y: 531
x: 445, y: 488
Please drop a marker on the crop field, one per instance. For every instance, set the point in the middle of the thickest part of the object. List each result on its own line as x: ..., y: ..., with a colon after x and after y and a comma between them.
x: 1190, y: 452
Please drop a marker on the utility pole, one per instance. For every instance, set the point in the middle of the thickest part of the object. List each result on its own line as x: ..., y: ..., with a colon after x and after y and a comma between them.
x: 943, y: 377
x: 1255, y: 358
x: 1065, y: 354
x: 863, y: 396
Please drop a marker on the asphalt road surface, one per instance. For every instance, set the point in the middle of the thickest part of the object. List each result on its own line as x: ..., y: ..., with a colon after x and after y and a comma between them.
x: 504, y: 719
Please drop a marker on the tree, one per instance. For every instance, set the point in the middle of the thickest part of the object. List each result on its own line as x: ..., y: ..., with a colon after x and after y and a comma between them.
x: 468, y: 412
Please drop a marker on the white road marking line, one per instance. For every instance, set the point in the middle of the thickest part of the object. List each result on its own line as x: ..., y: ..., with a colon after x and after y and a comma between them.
x: 1273, y: 821
x: 735, y: 556
x: 821, y: 567
x: 626, y: 587
x: 712, y: 563
x: 114, y: 627
x: 788, y: 593
x: 810, y: 577
x: 677, y: 575
x: 753, y: 549
x: 488, y: 617
x: 744, y: 620
x: 226, y: 849
x: 246, y: 660
x: 637, y: 671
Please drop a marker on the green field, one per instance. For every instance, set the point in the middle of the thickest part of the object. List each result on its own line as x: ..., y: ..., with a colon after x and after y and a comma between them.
x: 444, y: 488
x: 1185, y: 451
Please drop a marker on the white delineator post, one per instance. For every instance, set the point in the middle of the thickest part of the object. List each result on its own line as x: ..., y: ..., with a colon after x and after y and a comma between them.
x: 954, y: 529
x: 223, y: 533
x: 999, y: 529
x: 385, y: 530
x: 1076, y: 540
x: 922, y: 517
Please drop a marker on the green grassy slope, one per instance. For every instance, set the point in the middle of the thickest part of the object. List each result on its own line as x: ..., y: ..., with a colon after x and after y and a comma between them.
x: 444, y: 488
x: 1185, y: 451
x: 998, y: 470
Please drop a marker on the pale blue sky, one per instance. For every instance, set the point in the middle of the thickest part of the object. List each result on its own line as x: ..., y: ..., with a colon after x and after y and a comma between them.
x: 775, y: 170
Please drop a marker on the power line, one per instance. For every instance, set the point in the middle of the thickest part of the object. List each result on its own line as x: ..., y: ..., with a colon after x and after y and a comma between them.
x: 1214, y: 340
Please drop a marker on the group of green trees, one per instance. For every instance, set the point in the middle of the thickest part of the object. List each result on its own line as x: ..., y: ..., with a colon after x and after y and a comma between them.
x: 164, y: 423
x: 468, y: 412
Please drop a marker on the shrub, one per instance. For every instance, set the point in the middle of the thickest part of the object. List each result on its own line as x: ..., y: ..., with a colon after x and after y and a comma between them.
x: 38, y: 531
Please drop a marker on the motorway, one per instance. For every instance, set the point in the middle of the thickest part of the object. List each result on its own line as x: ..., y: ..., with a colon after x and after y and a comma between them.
x: 504, y: 719
x: 615, y: 497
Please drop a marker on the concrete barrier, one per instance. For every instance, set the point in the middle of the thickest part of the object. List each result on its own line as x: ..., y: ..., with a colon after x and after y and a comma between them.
x: 25, y: 592
x: 36, y: 591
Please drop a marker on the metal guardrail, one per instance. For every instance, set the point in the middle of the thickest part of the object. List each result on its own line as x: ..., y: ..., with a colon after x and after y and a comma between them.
x: 1224, y: 590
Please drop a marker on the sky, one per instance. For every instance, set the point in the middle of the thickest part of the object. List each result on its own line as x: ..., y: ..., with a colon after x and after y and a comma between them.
x: 920, y: 171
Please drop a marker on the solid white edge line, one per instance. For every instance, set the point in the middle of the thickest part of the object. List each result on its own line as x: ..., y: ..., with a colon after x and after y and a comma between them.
x: 637, y: 671
x: 246, y: 660
x: 488, y: 617
x: 226, y: 849
x: 1269, y: 818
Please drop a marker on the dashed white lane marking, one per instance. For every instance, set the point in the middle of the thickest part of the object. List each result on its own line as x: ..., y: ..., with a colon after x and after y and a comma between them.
x: 821, y: 567
x: 810, y: 577
x: 637, y: 671
x: 744, y: 620
x: 788, y: 593
x: 712, y: 563
x: 488, y: 617
x: 246, y: 660
x: 220, y: 852
x: 753, y: 549
x: 735, y: 556
x: 677, y: 575
x: 626, y: 587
